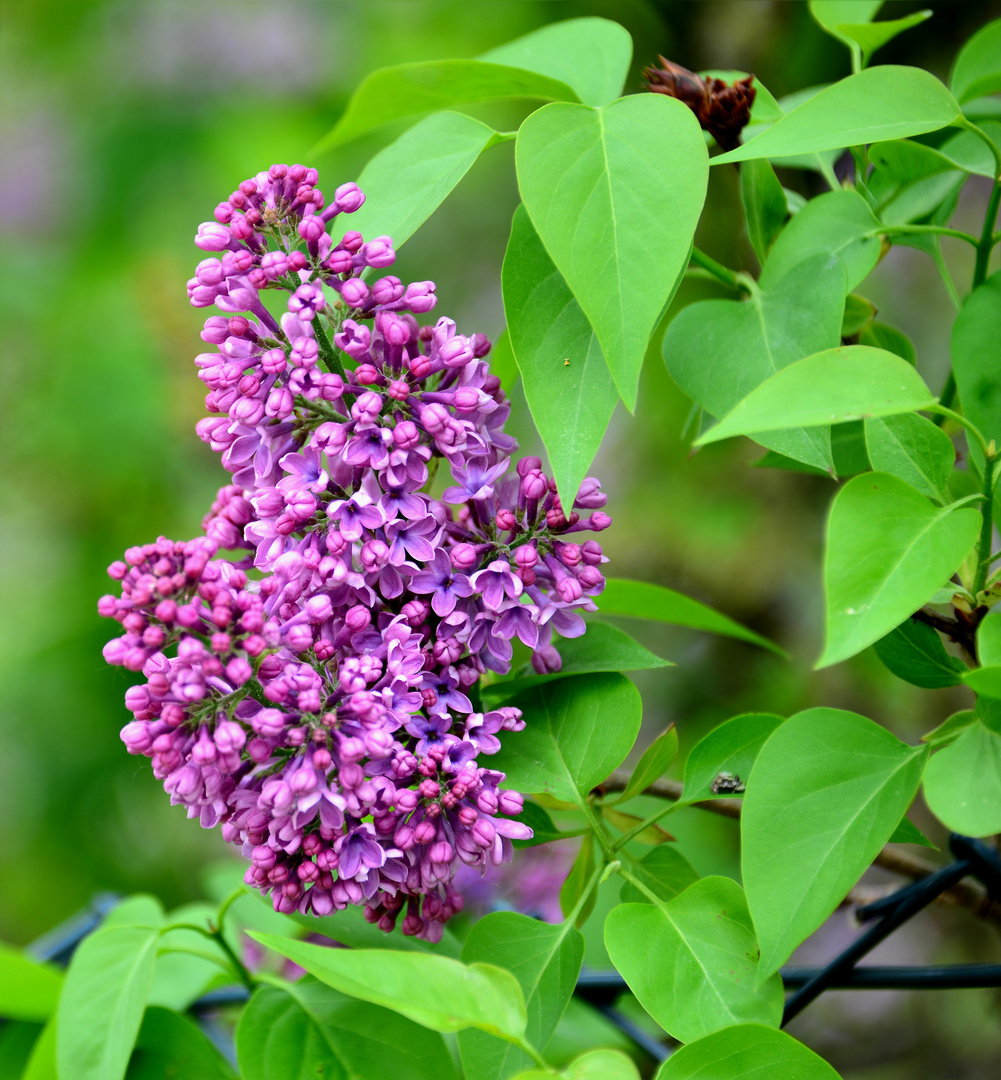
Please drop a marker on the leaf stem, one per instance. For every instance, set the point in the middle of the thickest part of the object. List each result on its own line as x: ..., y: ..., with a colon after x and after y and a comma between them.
x: 637, y: 829
x: 718, y: 270
x: 635, y: 881
x: 599, y: 830
x: 226, y: 905
x: 972, y: 428
x: 216, y: 935
x: 938, y: 230
x: 592, y: 884
x: 986, y: 541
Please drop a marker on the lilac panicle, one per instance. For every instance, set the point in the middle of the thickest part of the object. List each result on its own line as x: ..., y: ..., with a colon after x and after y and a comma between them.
x: 312, y: 691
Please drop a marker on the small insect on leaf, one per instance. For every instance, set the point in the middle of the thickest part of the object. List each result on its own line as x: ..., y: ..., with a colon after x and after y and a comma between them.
x: 566, y: 363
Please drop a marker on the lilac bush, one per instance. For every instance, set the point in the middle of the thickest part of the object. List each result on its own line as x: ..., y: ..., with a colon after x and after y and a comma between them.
x: 313, y: 694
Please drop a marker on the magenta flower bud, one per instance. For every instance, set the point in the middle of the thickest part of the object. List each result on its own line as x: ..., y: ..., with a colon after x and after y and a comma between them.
x: 107, y: 606
x: 298, y: 639
x: 463, y: 556
x: 239, y: 671
x: 505, y: 521
x: 424, y: 832
x: 399, y: 390
x: 527, y: 465
x: 388, y: 290
x: 510, y: 803
x: 570, y: 554
x: 367, y: 407
x: 136, y: 736
x: 406, y: 435
x: 318, y: 608
x: 209, y: 272
x: 534, y: 485
x: 483, y: 833
x: 339, y: 261
x: 247, y: 411
x: 258, y: 751
x: 441, y: 852
x: 280, y: 403
x: 306, y: 301
x: 366, y: 374
x: 590, y: 577
x: 374, y: 554
x: 311, y: 228
x: 354, y: 339
x: 435, y: 418
x: 268, y: 723
x: 420, y: 297
x: 223, y: 212
x: 466, y: 399
x: 456, y: 352
x: 591, y: 553
x: 212, y: 236
x: 599, y: 521
x: 526, y: 556
x: 355, y: 292
x: 348, y: 198
x: 216, y: 330
x: 379, y: 252
x: 352, y: 242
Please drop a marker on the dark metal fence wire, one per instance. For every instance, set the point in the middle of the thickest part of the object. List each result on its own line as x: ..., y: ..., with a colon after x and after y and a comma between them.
x: 601, y: 989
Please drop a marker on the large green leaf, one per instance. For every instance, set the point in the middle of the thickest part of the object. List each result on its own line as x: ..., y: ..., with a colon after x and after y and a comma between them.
x: 692, y: 961
x: 989, y: 640
x: 394, y: 93
x: 975, y: 336
x: 852, y: 382
x: 837, y: 223
x: 977, y: 69
x: 568, y: 387
x: 718, y: 351
x: 664, y: 871
x: 963, y: 783
x: 29, y: 989
x: 825, y: 794
x: 764, y: 203
x: 731, y: 748
x: 104, y: 994
x: 888, y: 551
x: 887, y: 102
x: 603, y: 648
x: 41, y: 1063
x: 615, y: 194
x: 17, y: 1043
x: 748, y: 1051
x: 589, y: 54
x: 913, y: 651
x: 546, y: 961
x: 643, y: 600
x: 581, y: 729
x: 594, y: 1065
x: 171, y: 1045
x: 452, y: 995
x: 308, y: 1031
x: 914, y: 449
x: 407, y: 181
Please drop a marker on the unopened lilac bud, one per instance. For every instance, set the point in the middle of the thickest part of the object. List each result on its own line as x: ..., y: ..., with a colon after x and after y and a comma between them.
x: 420, y: 296
x: 463, y: 556
x: 379, y: 252
x: 348, y: 198
x: 137, y: 739
x: 280, y: 403
x: 388, y: 290
x: 527, y: 465
x: 230, y: 737
x: 534, y: 485
x: 366, y: 374
x: 212, y: 236
x: 590, y: 577
x: 311, y: 228
x: 599, y: 521
x: 526, y: 556
x: 355, y: 293
x: 406, y: 435
x: 505, y: 521
x: 591, y: 553
x: 367, y: 407
x: 258, y: 750
x: 298, y: 638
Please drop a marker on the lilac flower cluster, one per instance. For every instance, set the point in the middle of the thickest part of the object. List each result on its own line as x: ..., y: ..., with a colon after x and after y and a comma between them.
x: 313, y: 693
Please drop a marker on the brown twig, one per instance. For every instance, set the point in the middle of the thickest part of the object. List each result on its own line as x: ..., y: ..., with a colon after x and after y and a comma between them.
x: 966, y: 894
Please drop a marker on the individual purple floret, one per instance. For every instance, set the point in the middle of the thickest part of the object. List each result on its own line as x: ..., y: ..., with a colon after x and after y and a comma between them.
x: 313, y: 691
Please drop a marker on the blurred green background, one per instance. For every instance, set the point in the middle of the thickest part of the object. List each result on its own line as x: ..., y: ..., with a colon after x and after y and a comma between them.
x: 123, y: 125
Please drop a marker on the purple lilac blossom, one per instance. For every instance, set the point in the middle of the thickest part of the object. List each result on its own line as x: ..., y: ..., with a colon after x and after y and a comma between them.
x: 309, y: 693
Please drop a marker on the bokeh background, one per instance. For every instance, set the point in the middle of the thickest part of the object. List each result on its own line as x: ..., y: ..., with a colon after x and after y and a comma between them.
x: 122, y: 126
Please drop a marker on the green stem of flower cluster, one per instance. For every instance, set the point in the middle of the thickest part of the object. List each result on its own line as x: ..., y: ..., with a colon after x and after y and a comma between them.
x: 718, y: 270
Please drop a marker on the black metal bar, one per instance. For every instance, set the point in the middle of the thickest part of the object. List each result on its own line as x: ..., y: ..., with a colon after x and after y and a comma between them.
x: 916, y: 898
x: 901, y: 977
x: 59, y: 944
x: 984, y: 860
x: 643, y: 1039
